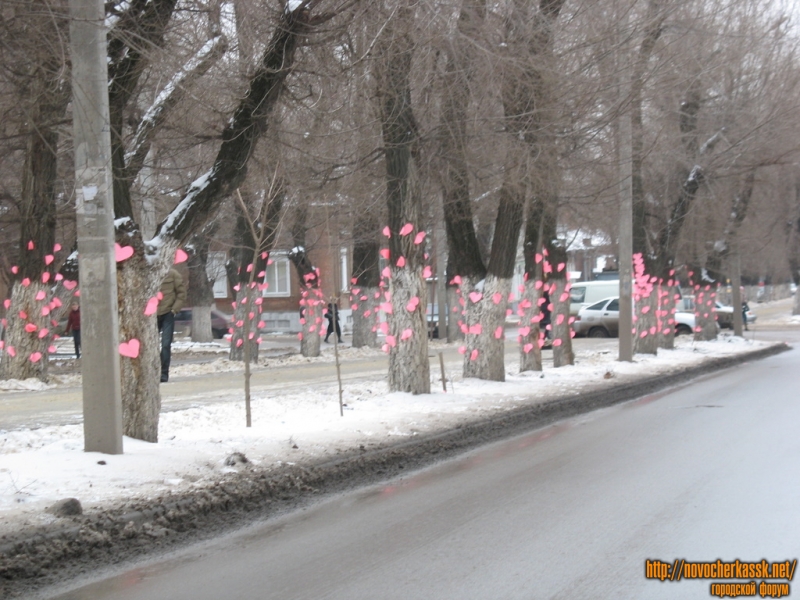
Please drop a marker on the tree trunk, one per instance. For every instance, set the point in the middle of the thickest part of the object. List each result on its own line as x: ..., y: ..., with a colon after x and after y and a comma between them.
x: 486, y: 303
x: 50, y: 91
x: 137, y: 282
x: 455, y: 306
x: 365, y: 293
x: 531, y: 335
x: 409, y: 368
x: 312, y: 304
x: 645, y: 298
x: 248, y: 308
x: 560, y: 320
x: 668, y: 293
x: 201, y: 289
x: 705, y: 313
x: 364, y: 302
x: 25, y: 351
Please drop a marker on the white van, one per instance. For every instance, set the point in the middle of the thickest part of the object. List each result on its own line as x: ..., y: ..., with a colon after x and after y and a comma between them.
x: 585, y: 293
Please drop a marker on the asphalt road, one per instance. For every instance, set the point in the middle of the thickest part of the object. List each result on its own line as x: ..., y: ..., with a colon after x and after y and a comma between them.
x: 707, y: 471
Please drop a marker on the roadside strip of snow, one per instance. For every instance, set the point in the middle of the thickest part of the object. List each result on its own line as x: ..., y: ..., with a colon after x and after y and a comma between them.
x: 41, y: 466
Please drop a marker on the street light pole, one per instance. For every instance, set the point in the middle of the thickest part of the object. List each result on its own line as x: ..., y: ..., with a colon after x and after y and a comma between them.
x: 102, y: 399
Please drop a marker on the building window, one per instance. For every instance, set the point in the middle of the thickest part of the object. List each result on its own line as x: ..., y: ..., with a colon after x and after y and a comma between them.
x: 278, y: 278
x: 215, y: 269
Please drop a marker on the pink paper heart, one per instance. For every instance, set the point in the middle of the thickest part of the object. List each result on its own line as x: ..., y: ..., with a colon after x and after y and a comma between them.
x: 43, y: 332
x: 476, y: 329
x: 407, y: 333
x: 412, y: 304
x: 497, y: 297
x: 427, y: 272
x: 59, y: 277
x: 239, y: 342
x: 524, y: 331
x: 15, y: 269
x: 462, y: 349
x: 386, y: 307
x: 527, y: 348
x: 130, y: 348
x: 11, y: 351
x: 152, y: 307
x: 406, y: 229
x: 31, y: 245
x: 419, y: 237
x: 498, y: 333
x: 387, y: 272
x: 48, y: 259
x: 45, y: 277
x: 56, y: 247
x: 45, y: 311
x: 30, y: 327
x: 387, y: 232
x: 22, y: 315
x: 385, y: 253
x: 36, y: 357
x: 456, y: 280
x: 474, y: 355
x: 401, y: 262
x: 25, y: 282
x: 7, y: 303
x: 52, y: 349
x: 180, y: 256
x: 475, y: 297
x: 557, y: 342
x: 40, y: 295
x: 390, y: 339
x: 122, y: 253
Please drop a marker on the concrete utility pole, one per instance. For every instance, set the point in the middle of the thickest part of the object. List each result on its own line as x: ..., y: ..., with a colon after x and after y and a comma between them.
x: 625, y: 202
x: 102, y: 399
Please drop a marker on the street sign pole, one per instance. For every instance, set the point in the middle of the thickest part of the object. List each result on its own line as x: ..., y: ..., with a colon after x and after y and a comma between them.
x: 102, y: 399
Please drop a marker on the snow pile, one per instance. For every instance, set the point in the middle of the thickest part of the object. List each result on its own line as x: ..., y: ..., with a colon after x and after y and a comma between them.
x: 40, y: 466
x: 28, y: 385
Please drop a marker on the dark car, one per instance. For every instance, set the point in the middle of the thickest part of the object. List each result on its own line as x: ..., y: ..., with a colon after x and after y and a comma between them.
x: 220, y: 322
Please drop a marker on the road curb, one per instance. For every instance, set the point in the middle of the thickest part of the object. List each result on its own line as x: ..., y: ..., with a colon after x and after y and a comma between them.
x: 38, y: 557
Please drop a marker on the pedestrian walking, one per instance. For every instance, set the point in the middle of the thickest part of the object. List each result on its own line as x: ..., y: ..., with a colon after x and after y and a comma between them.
x: 745, y: 310
x: 74, y: 326
x: 332, y: 314
x: 173, y: 297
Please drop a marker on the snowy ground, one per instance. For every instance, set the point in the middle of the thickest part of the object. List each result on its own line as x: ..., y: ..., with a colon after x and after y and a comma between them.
x: 40, y: 466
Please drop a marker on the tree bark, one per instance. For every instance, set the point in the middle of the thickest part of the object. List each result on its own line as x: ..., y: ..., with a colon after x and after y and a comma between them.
x: 409, y: 369
x: 141, y: 275
x: 705, y: 313
x: 50, y: 92
x: 365, y: 293
x: 201, y: 289
x: 312, y: 300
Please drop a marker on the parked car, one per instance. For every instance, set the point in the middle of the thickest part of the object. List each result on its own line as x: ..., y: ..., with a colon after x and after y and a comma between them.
x: 725, y: 316
x: 585, y: 293
x: 220, y: 322
x: 601, y: 320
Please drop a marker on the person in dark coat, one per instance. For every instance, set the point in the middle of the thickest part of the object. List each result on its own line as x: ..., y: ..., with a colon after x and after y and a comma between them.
x: 173, y: 297
x: 332, y: 314
x: 745, y: 310
x: 74, y: 326
x: 546, y: 322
